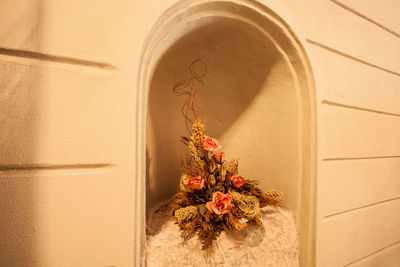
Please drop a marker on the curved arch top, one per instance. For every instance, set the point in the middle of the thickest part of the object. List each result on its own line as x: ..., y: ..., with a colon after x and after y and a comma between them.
x: 251, y: 20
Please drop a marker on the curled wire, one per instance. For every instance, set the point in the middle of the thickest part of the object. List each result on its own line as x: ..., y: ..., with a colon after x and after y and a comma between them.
x: 190, y: 87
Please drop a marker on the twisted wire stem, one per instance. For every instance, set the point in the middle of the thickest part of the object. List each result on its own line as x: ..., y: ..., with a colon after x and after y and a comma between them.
x: 190, y: 87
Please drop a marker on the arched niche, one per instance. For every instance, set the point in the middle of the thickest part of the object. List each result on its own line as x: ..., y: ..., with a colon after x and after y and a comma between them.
x: 258, y: 97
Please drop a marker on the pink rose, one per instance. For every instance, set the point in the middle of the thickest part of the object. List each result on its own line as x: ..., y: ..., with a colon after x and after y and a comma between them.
x: 219, y: 157
x: 210, y: 144
x: 237, y: 181
x: 220, y: 204
x: 194, y: 183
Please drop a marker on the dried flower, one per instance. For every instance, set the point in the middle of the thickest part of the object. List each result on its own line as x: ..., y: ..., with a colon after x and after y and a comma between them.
x: 222, y: 173
x: 220, y: 204
x: 195, y: 155
x: 182, y: 185
x: 213, y: 166
x: 273, y: 194
x: 185, y: 214
x: 208, y: 170
x: 233, y: 166
x: 211, y: 180
x: 198, y: 134
x: 219, y: 157
x: 238, y: 210
x: 249, y: 206
x: 237, y: 181
x: 210, y: 144
x: 195, y: 183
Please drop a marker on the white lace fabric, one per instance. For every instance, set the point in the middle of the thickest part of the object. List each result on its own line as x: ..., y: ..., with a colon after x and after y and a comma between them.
x: 279, y: 248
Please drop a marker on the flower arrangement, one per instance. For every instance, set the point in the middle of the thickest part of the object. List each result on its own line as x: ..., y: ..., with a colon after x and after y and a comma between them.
x: 213, y: 197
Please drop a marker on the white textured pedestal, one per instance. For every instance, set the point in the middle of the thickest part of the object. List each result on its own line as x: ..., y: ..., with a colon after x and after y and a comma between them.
x: 278, y: 248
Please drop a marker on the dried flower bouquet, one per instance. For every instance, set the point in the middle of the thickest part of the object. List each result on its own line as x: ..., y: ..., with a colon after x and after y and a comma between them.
x: 213, y: 197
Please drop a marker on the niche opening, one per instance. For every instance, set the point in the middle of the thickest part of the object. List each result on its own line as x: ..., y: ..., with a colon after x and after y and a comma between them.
x: 258, y: 97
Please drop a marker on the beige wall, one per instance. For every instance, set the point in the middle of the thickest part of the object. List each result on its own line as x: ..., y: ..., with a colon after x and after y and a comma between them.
x: 67, y: 132
x: 67, y: 135
x: 354, y: 49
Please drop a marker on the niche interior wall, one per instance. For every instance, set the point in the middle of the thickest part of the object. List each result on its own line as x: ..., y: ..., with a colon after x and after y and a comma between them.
x: 258, y: 98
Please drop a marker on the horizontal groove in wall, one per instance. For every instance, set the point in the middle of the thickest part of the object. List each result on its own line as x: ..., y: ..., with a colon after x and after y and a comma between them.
x: 56, y: 59
x: 54, y: 170
x: 331, y: 103
x: 355, y: 12
x: 373, y: 253
x: 361, y: 158
x: 359, y: 208
x: 351, y: 57
x: 33, y: 167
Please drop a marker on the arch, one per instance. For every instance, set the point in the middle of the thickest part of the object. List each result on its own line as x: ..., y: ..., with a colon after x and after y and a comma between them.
x: 279, y: 74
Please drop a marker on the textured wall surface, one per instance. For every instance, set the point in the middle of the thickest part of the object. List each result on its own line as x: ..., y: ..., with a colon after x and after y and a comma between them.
x: 354, y: 48
x: 68, y: 79
x: 67, y: 133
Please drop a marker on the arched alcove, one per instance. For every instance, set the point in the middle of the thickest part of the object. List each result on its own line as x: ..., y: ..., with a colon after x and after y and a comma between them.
x: 249, y: 99
x: 258, y: 97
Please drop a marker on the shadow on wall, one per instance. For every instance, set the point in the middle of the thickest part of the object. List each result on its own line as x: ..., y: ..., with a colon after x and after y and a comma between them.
x: 20, y: 97
x: 249, y: 102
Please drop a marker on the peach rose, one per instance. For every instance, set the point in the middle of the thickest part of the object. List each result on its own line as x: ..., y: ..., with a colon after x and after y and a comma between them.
x: 194, y: 183
x: 220, y: 204
x: 210, y: 144
x: 237, y: 181
x: 219, y: 157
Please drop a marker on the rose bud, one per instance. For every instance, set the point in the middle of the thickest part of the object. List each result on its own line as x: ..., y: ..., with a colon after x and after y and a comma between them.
x: 194, y: 183
x: 237, y: 181
x: 210, y: 144
x: 220, y: 204
x: 222, y: 173
x: 213, y: 166
x: 219, y: 157
x: 211, y: 180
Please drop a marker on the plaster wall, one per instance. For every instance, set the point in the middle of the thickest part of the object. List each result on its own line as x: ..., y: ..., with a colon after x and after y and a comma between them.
x: 249, y: 100
x: 68, y: 89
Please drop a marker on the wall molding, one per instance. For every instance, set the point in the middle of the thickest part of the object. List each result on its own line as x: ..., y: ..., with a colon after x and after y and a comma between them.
x: 181, y: 19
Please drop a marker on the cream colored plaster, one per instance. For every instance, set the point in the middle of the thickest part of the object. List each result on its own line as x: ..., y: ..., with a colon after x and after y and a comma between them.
x: 347, y: 133
x: 279, y: 58
x: 67, y: 133
x: 341, y: 179
x: 79, y: 100
x: 358, y: 233
x: 345, y: 81
x: 385, y: 14
x: 333, y: 26
x: 387, y: 256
